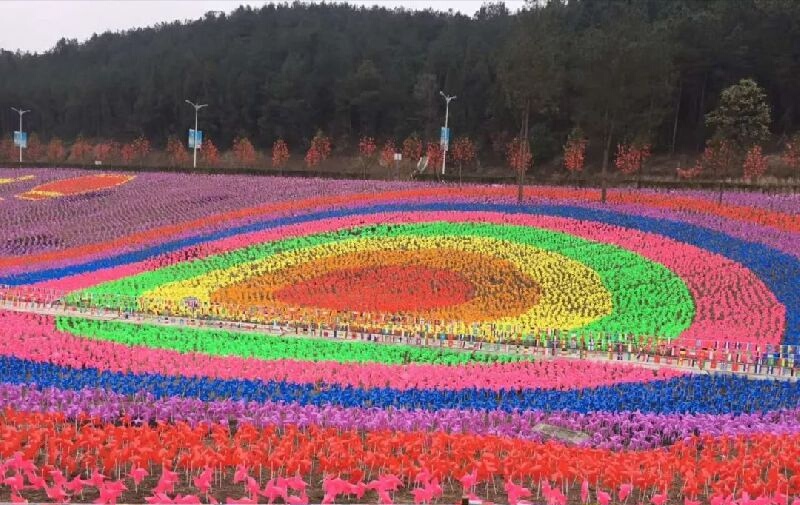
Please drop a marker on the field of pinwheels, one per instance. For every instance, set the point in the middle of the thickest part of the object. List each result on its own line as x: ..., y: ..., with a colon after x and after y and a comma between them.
x: 175, y: 338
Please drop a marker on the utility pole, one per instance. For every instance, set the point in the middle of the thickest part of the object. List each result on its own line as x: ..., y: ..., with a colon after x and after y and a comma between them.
x: 445, y: 140
x: 194, y: 140
x: 21, y: 113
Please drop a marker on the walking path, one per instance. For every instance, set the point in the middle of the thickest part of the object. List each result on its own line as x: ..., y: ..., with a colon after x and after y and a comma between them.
x: 538, y: 353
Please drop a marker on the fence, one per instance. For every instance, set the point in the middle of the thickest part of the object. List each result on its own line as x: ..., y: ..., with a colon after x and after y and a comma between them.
x: 712, y: 355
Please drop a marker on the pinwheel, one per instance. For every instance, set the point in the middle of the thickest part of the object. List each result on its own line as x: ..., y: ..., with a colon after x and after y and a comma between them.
x: 166, y: 483
x: 110, y: 492
x: 159, y: 498
x: 659, y: 499
x: 241, y: 474
x: 16, y: 483
x: 138, y: 474
x: 475, y: 193
x: 515, y: 492
x: 83, y: 397
x: 187, y: 499
x: 625, y: 492
x: 203, y: 481
x: 76, y: 485
x: 253, y: 488
x: 58, y: 495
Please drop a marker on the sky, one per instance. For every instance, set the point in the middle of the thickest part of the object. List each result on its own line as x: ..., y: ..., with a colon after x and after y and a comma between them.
x: 36, y: 25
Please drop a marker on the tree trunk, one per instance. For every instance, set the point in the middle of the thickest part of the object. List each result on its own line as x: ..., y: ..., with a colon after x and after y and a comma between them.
x: 675, y: 123
x: 524, y: 153
x: 640, y: 172
x: 701, y: 109
x: 606, y: 152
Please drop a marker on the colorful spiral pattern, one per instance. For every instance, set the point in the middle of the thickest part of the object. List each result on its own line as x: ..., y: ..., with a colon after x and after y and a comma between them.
x: 405, y: 259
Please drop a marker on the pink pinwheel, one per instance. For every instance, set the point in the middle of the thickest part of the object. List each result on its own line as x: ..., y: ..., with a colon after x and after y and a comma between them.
x: 687, y: 501
x: 515, y: 492
x: 240, y: 501
x: 159, y: 498
x: 188, y: 499
x: 97, y: 478
x: 110, y: 492
x: 603, y: 498
x: 17, y: 462
x: 469, y: 480
x: 333, y: 488
x: 422, y: 477
x: 553, y: 496
x: 272, y: 490
x: 138, y: 474
x: 428, y: 492
x: 15, y: 498
x: 624, y: 491
x: 58, y: 478
x: 298, y: 500
x: 240, y: 475
x: 15, y: 482
x: 166, y: 484
x: 392, y: 482
x: 296, y: 483
x: 383, y: 485
x: 252, y: 487
x: 35, y: 481
x: 76, y: 485
x: 436, y: 488
x: 358, y: 489
x: 57, y: 494
x: 421, y: 495
x: 585, y: 491
x: 203, y: 481
x: 659, y: 499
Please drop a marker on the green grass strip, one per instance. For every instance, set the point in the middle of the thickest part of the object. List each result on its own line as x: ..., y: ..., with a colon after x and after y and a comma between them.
x: 267, y: 347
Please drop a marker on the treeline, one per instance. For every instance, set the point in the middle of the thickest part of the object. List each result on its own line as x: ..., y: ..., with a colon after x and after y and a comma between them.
x: 619, y: 71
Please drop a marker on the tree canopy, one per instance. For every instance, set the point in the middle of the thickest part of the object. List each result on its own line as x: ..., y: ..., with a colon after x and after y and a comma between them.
x: 618, y: 69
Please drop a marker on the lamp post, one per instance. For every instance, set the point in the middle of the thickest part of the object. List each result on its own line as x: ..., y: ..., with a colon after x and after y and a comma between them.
x: 446, y: 117
x: 194, y: 140
x: 21, y: 113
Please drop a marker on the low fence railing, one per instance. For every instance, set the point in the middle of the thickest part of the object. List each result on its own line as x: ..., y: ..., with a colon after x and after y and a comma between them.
x: 712, y: 355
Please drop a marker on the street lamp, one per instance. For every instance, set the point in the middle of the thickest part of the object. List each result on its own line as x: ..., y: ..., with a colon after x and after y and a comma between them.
x: 445, y: 141
x: 21, y: 113
x: 194, y: 140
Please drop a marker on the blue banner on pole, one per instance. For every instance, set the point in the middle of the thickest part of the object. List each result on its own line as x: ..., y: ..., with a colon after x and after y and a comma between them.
x: 21, y: 139
x: 445, y: 138
x: 195, y: 138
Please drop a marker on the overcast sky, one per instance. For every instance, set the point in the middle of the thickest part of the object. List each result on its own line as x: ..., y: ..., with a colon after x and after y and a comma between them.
x: 36, y: 25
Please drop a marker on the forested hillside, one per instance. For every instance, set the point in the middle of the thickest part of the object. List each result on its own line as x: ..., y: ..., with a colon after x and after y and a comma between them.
x: 619, y: 70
